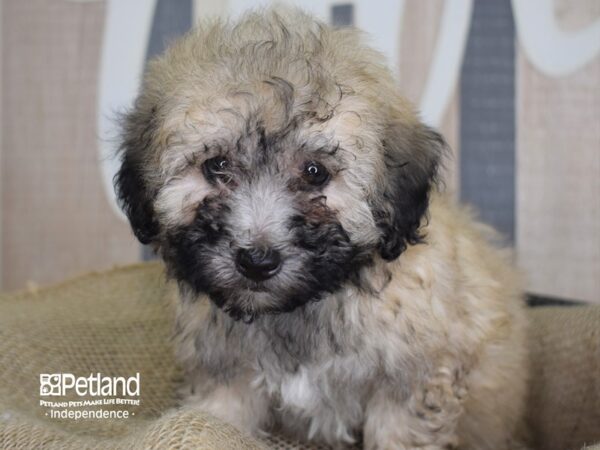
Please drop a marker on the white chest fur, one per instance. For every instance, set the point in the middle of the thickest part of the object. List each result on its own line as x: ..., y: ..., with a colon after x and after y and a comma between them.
x: 304, y: 400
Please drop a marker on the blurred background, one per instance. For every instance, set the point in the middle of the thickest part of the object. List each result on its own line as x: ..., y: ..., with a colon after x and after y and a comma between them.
x: 514, y: 87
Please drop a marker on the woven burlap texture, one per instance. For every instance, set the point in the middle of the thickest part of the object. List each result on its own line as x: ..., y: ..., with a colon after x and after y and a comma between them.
x: 119, y: 322
x: 564, y: 403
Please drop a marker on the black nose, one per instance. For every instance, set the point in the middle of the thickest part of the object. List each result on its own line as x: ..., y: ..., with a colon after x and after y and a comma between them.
x: 258, y: 264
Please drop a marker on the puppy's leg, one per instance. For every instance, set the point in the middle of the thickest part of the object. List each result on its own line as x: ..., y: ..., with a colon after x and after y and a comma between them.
x: 234, y: 401
x: 426, y: 420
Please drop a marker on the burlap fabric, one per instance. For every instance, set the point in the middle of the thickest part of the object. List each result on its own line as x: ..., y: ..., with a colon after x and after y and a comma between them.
x: 118, y: 323
x: 564, y: 404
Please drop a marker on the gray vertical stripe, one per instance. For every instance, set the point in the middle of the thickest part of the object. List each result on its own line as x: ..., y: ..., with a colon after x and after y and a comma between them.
x: 342, y: 15
x: 172, y: 18
x: 487, y: 116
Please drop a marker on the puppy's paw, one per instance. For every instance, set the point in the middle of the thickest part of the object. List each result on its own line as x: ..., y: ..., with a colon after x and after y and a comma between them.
x: 426, y: 421
x: 235, y: 402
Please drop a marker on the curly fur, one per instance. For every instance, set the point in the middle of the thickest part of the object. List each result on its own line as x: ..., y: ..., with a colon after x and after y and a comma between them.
x: 392, y: 319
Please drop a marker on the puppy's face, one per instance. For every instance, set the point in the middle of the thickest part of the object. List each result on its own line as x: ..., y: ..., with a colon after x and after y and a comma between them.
x: 266, y: 179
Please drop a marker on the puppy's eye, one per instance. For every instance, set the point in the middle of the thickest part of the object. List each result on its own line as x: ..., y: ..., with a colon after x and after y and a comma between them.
x: 216, y: 169
x: 315, y: 173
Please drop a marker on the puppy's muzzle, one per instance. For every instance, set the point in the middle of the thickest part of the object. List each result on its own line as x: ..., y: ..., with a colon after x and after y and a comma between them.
x: 258, y: 264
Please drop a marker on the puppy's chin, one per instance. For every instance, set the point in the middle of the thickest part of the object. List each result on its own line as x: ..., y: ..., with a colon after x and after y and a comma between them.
x: 250, y: 303
x: 247, y: 306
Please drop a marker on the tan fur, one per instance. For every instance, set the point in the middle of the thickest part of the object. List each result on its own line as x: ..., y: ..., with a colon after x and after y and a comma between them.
x: 425, y: 350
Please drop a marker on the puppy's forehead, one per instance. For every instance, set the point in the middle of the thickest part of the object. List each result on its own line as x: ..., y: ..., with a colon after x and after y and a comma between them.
x: 296, y: 116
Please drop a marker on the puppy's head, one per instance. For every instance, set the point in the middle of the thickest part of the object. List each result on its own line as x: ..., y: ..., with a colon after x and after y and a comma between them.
x: 269, y: 160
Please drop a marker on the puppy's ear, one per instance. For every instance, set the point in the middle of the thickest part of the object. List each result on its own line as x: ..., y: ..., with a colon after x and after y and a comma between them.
x: 412, y: 158
x: 133, y: 194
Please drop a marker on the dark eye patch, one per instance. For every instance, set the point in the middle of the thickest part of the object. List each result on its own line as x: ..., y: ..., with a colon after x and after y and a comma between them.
x: 315, y: 174
x: 217, y: 169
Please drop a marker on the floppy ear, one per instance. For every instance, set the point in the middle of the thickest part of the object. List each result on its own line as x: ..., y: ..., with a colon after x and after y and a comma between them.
x: 133, y: 194
x: 412, y: 157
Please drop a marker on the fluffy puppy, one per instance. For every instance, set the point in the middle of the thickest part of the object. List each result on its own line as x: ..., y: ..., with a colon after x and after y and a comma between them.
x: 327, y: 287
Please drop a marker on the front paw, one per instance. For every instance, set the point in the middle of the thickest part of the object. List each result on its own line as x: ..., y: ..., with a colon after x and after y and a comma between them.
x: 234, y: 402
x: 427, y: 420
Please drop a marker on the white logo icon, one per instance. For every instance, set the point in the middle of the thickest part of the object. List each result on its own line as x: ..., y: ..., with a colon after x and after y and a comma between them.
x: 50, y: 384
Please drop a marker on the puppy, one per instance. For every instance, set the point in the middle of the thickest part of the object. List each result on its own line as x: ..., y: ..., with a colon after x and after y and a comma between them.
x: 327, y: 286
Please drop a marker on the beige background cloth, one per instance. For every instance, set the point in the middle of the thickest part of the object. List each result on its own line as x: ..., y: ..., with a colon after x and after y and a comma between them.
x: 118, y: 323
x: 56, y: 220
